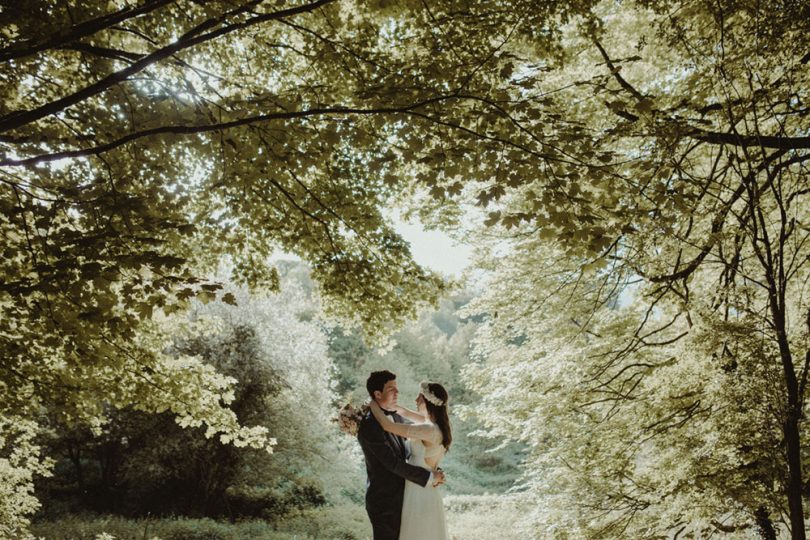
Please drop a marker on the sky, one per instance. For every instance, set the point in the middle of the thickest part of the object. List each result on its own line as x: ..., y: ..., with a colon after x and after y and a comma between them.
x: 434, y: 249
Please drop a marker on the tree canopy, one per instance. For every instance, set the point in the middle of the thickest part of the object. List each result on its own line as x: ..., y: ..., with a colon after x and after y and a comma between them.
x: 659, y: 142
x: 662, y: 349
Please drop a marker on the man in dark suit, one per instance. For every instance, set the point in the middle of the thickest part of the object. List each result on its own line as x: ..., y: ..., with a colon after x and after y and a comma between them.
x: 386, y: 461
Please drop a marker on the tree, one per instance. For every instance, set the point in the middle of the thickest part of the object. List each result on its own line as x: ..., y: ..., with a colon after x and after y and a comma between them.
x: 687, y: 178
x: 21, y: 462
x: 146, y: 464
x: 635, y: 430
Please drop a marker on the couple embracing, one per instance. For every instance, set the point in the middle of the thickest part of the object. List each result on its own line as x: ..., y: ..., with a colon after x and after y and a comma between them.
x: 403, y: 449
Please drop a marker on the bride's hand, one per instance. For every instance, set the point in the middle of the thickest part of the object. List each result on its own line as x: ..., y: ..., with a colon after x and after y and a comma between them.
x: 438, y: 477
x: 377, y: 412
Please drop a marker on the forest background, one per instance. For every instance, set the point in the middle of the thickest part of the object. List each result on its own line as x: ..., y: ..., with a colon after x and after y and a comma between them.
x: 294, y: 373
x: 632, y: 177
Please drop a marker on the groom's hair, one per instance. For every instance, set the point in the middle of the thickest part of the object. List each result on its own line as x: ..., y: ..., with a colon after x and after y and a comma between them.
x: 376, y: 381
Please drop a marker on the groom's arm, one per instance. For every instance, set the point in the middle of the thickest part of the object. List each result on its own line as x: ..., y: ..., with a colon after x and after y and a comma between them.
x: 372, y: 439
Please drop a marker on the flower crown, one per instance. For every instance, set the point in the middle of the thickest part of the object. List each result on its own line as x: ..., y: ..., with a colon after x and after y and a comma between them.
x: 428, y: 395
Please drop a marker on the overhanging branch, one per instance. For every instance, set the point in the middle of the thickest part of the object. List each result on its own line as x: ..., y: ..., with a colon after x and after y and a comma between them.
x: 84, y: 29
x: 190, y: 130
x: 193, y: 37
x: 717, y: 226
x: 757, y: 141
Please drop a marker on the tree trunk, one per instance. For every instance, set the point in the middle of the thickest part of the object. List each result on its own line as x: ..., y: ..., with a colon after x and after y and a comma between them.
x: 794, y: 487
x: 790, y: 428
x: 791, y: 431
x: 764, y: 524
x: 75, y: 457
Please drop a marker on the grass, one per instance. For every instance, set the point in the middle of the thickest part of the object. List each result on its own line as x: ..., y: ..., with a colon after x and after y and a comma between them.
x: 469, y: 517
x: 486, y: 517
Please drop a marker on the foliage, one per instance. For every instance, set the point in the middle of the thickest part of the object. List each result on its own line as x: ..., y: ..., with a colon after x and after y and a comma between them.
x: 648, y: 313
x: 147, y: 464
x: 301, y: 527
x: 655, y: 140
x: 20, y: 461
x: 642, y: 419
x: 483, y: 517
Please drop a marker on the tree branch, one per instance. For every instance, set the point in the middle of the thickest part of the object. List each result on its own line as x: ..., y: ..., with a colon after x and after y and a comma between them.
x: 189, y: 39
x: 615, y: 71
x: 758, y: 141
x: 189, y: 130
x: 717, y: 225
x: 87, y: 28
x: 713, y: 137
x: 115, y: 54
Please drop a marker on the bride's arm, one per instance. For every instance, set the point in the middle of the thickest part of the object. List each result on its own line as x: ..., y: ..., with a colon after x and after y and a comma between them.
x: 413, y: 416
x: 403, y: 430
x: 386, y: 423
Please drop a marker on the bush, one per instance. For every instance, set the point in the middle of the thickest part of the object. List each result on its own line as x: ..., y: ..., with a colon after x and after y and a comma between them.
x: 270, y: 504
x: 251, y: 502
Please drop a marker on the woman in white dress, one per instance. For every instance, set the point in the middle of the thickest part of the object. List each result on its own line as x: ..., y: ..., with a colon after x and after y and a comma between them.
x: 430, y: 438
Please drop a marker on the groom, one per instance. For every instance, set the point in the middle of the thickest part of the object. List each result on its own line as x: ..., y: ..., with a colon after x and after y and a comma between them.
x: 386, y: 464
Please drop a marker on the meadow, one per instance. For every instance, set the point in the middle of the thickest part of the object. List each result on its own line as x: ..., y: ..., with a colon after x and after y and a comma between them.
x: 469, y: 517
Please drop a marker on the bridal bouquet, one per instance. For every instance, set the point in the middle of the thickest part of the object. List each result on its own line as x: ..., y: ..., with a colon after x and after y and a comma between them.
x: 349, y: 418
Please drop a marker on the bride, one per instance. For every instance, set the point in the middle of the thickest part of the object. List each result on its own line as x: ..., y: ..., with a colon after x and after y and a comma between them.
x: 429, y: 435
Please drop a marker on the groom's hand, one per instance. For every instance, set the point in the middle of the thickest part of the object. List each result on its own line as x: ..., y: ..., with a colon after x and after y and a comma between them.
x: 438, y: 477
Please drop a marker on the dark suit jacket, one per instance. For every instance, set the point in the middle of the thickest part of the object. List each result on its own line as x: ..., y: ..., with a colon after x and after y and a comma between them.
x: 387, y: 471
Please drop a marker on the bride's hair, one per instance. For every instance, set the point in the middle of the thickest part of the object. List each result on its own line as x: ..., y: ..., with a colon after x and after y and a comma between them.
x: 439, y: 412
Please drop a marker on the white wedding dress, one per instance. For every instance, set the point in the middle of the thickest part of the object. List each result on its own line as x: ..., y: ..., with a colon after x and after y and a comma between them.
x: 422, y: 507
